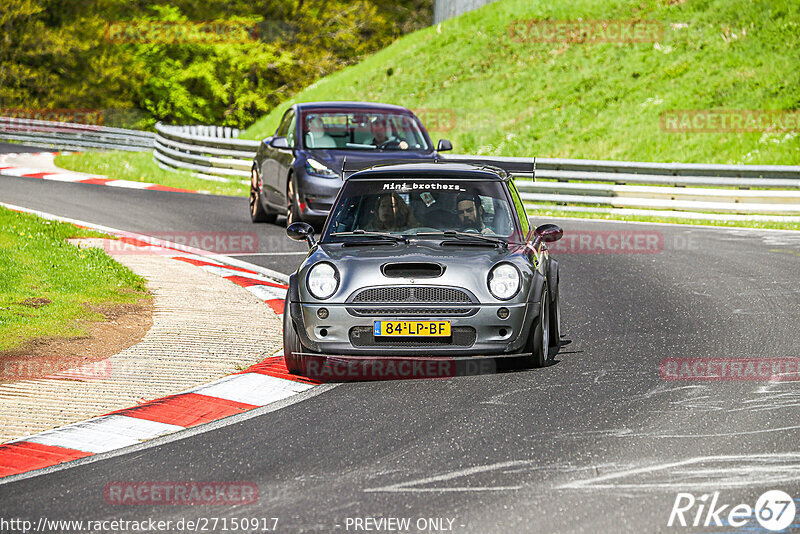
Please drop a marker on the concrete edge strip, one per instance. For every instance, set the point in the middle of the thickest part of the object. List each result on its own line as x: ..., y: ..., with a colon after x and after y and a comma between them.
x: 263, y: 385
x: 78, y: 459
x: 68, y: 176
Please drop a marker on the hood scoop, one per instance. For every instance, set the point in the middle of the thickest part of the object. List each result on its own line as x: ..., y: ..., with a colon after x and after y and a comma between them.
x: 412, y: 270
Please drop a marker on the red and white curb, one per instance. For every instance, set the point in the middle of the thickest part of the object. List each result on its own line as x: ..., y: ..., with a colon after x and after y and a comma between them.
x: 260, y: 385
x: 67, y: 176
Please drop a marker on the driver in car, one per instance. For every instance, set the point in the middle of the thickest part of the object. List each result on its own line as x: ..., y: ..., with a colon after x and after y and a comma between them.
x: 470, y: 214
x: 382, y: 136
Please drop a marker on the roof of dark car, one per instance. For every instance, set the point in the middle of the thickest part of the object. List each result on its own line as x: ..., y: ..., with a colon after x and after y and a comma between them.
x: 433, y: 170
x: 350, y: 105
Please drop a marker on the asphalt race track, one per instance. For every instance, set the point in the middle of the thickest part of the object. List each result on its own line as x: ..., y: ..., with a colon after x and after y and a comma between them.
x: 596, y: 442
x: 14, y: 148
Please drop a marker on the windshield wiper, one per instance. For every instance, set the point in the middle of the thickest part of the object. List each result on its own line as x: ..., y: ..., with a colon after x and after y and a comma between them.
x: 382, y: 235
x: 467, y: 236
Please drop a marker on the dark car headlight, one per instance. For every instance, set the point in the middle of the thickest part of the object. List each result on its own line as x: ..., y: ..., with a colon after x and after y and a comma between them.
x: 323, y: 280
x: 316, y: 168
x: 504, y: 281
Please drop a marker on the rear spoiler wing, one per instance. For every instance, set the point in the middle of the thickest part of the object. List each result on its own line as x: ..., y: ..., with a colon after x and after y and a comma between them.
x: 522, y: 167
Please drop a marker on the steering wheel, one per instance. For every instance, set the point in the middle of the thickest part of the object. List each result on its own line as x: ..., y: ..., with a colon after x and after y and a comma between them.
x: 387, y: 143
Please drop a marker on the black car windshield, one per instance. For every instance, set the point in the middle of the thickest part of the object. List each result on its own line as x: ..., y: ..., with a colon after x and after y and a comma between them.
x: 362, y: 130
x: 421, y: 207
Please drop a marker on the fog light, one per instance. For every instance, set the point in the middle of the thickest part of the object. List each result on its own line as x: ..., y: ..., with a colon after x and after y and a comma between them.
x: 503, y: 313
x: 322, y: 313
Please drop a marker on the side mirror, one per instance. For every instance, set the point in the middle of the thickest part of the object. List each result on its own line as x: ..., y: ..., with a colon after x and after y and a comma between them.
x: 279, y: 142
x: 444, y: 144
x: 547, y: 233
x: 301, y: 231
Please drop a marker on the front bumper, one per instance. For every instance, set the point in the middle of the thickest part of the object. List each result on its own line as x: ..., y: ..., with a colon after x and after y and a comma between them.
x: 480, y: 334
x: 317, y: 195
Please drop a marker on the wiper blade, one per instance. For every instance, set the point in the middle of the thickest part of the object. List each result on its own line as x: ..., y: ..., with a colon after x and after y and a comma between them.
x: 382, y: 235
x: 467, y: 236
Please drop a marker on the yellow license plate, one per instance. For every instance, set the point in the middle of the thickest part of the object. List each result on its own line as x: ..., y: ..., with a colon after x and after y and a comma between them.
x: 412, y: 328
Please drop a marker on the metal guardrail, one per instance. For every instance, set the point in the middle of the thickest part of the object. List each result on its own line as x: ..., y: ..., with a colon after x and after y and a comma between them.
x: 72, y: 136
x: 745, y: 189
x: 445, y: 9
x: 212, y: 153
x: 209, y: 152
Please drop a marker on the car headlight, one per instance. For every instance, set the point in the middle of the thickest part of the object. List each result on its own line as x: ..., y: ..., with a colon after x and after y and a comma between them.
x: 318, y: 169
x: 323, y: 280
x: 504, y: 281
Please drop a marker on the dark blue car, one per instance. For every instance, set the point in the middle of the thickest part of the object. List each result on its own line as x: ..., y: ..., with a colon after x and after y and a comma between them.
x: 299, y: 170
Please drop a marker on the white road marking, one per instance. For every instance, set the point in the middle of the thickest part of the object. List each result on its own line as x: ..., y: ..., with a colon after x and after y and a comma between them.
x: 267, y: 292
x: 406, y: 487
x: 63, y: 177
x: 19, y: 171
x: 674, y: 225
x: 252, y: 388
x: 747, y: 471
x: 129, y: 184
x: 103, y: 434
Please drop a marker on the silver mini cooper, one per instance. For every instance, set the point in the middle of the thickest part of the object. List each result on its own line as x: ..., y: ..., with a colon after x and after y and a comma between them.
x: 424, y: 259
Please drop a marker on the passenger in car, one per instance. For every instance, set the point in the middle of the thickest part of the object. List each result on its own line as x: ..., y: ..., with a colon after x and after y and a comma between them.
x: 316, y: 136
x: 391, y: 214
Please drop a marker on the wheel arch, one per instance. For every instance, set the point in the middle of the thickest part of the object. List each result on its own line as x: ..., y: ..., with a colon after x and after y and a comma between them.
x: 552, y: 278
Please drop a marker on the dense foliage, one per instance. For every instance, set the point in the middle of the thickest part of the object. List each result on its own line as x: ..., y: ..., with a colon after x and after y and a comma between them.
x: 59, y: 54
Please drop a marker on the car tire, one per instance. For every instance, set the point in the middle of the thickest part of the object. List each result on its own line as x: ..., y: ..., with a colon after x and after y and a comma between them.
x: 258, y: 214
x: 292, y: 345
x: 539, y: 336
x: 292, y: 209
x: 555, y: 323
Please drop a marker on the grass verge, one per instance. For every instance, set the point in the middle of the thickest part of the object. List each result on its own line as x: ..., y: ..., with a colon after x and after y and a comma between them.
x: 677, y: 219
x: 140, y: 167
x: 48, y: 284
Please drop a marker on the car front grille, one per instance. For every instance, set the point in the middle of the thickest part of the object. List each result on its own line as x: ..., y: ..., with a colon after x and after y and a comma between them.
x: 415, y: 294
x: 462, y: 336
x: 411, y: 311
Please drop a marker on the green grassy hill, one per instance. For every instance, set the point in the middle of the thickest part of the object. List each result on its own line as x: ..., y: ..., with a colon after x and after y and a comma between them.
x: 495, y: 95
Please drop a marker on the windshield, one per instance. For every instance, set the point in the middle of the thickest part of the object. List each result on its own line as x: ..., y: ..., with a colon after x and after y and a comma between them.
x: 362, y: 131
x: 415, y: 207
